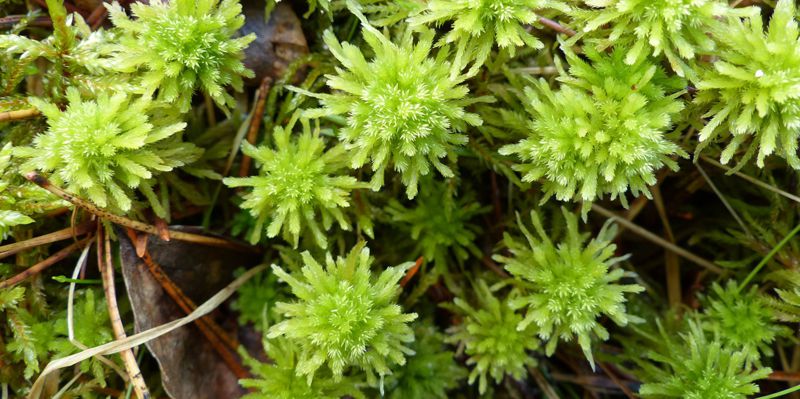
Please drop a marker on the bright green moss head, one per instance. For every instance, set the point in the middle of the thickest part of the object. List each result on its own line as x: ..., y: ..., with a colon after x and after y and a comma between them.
x: 346, y: 316
x: 699, y: 368
x: 570, y: 285
x: 678, y: 29
x: 491, y: 337
x: 405, y: 110
x: 479, y: 25
x: 743, y: 321
x: 753, y: 91
x: 300, y: 186
x: 105, y: 148
x: 278, y: 379
x: 603, y: 132
x: 182, y: 45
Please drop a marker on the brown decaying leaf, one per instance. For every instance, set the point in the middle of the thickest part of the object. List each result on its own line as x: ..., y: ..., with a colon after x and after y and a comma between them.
x: 190, y: 368
x: 278, y: 42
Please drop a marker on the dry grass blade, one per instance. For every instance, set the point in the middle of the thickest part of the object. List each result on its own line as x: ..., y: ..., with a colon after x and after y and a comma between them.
x: 144, y: 336
x: 107, y: 272
x: 224, y: 345
x: 753, y: 180
x: 658, y: 240
x: 724, y: 201
x: 627, y: 391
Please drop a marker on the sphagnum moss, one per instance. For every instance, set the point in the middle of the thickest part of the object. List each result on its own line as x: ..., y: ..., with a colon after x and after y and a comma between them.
x: 345, y: 316
x: 597, y: 101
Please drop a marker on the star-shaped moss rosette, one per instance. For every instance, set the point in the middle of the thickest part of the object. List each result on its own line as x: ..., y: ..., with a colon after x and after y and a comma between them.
x: 752, y: 92
x: 346, y: 316
x: 678, y: 29
x: 301, y: 186
x: 105, y: 148
x: 278, y: 379
x: 404, y: 108
x: 743, y: 321
x: 477, y: 26
x: 603, y: 132
x: 569, y: 286
x: 492, y: 337
x: 696, y: 367
x: 179, y: 46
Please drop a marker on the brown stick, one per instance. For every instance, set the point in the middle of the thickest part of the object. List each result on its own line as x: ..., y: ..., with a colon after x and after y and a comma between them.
x: 63, y: 234
x: 556, y: 26
x: 107, y: 273
x: 673, y: 268
x: 215, y: 335
x: 658, y: 240
x: 39, y: 267
x: 784, y: 376
x: 412, y: 271
x: 255, y: 123
x: 11, y: 20
x: 627, y: 391
x: 18, y: 115
x: 70, y: 7
x: 488, y: 262
x: 97, y: 17
x: 545, y: 386
x: 41, y: 181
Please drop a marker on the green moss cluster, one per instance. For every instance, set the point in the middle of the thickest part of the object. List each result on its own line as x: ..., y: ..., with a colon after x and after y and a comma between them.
x: 422, y: 130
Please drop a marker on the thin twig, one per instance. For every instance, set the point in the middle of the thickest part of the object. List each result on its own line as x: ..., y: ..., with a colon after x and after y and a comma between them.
x: 70, y: 314
x: 627, y: 391
x: 116, y: 346
x: 107, y: 272
x: 255, y: 122
x: 556, y: 26
x: 211, y: 116
x: 672, y: 266
x: 97, y: 17
x: 215, y: 335
x: 752, y: 180
x: 67, y: 386
x: 63, y: 234
x: 18, y: 115
x: 545, y: 386
x: 412, y: 271
x: 39, y: 267
x: 784, y: 376
x: 12, y: 20
x: 488, y: 262
x: 658, y: 240
x: 123, y: 221
x: 71, y: 8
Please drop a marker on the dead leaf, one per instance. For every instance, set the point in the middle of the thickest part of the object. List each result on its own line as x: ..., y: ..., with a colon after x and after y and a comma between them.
x: 190, y: 368
x: 278, y: 42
